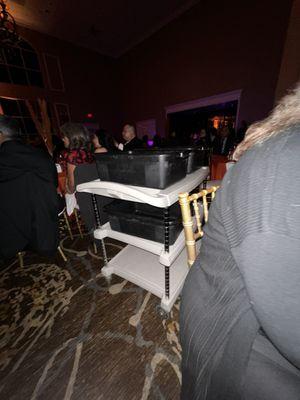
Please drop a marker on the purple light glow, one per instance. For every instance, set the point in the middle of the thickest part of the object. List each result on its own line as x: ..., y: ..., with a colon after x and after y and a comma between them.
x: 150, y: 143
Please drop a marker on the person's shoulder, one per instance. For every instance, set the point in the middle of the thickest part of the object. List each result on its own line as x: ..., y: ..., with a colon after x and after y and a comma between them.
x: 284, y: 143
x: 19, y: 147
x: 14, y: 144
x: 72, y: 156
x: 80, y: 156
x: 101, y: 150
x: 293, y: 136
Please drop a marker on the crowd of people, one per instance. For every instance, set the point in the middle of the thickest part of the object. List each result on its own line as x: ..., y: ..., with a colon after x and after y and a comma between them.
x: 221, y: 141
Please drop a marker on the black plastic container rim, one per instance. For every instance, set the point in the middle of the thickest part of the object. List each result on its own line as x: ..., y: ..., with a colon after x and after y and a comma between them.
x: 180, y: 150
x: 145, y: 153
x: 183, y: 149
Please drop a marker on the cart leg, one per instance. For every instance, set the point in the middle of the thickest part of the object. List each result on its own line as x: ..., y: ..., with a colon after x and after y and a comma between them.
x: 98, y: 225
x: 161, y: 312
x: 107, y: 272
x: 104, y: 252
x: 167, y: 282
x: 167, y: 228
x: 167, y: 246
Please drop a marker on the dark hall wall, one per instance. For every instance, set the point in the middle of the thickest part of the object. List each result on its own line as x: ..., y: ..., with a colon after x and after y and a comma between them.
x: 213, y: 48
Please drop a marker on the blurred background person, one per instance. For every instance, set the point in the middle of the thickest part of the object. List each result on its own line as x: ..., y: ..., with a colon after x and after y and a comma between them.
x: 29, y: 204
x: 241, y: 131
x: 58, y: 147
x: 157, y: 140
x: 103, y: 142
x: 131, y: 142
x: 211, y: 133
x: 77, y: 151
x: 173, y: 140
x: 223, y: 142
x: 145, y: 139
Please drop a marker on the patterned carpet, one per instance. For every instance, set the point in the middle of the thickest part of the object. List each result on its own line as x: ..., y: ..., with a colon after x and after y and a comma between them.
x: 66, y: 334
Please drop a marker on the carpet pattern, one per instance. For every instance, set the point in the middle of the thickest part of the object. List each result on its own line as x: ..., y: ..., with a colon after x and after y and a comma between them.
x: 66, y: 333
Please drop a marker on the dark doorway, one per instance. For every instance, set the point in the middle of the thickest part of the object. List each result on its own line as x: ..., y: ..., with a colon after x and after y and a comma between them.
x: 187, y: 122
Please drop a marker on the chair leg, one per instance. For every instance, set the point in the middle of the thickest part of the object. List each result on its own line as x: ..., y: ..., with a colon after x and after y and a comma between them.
x: 62, y: 253
x: 95, y: 247
x: 187, y: 223
x: 21, y: 259
x: 78, y: 223
x: 68, y: 225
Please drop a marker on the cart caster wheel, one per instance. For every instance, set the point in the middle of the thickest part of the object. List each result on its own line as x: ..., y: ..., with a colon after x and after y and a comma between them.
x: 162, y: 313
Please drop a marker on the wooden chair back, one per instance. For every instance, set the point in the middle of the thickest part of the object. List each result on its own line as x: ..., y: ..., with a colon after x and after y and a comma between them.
x: 193, y: 224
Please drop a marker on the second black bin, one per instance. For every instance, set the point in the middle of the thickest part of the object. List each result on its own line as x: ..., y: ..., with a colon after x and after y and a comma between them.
x: 153, y: 169
x: 197, y: 156
x: 125, y: 218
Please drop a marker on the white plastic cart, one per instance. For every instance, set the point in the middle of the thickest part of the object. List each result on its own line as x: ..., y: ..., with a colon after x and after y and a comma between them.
x: 141, y: 261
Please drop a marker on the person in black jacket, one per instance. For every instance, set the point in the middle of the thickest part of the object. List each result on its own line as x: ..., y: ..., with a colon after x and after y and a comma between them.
x: 29, y: 203
x: 223, y: 142
x: 131, y: 141
x: 239, y: 317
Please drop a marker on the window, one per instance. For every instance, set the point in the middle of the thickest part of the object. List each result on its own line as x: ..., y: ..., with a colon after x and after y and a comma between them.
x: 54, y: 72
x: 62, y: 113
x: 18, y: 110
x: 20, y: 65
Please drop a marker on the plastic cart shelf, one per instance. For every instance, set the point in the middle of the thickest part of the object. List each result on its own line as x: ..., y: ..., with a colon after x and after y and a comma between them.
x: 138, y: 262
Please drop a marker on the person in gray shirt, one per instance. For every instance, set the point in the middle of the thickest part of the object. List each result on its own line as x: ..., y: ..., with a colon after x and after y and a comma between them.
x: 240, y: 309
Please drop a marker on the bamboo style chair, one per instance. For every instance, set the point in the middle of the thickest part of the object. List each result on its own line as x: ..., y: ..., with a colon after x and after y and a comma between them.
x: 193, y: 225
x: 22, y: 253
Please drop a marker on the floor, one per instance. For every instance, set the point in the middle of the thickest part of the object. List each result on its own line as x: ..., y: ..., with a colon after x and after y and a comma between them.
x: 67, y: 334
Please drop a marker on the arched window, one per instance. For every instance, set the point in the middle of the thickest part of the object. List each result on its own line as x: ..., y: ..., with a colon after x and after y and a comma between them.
x: 20, y: 65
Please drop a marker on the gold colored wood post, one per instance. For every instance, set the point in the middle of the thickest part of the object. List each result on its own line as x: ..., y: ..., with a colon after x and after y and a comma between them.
x: 62, y: 253
x: 78, y: 222
x: 205, y: 205
x: 198, y: 218
x: 188, y: 227
x: 68, y: 225
x: 187, y: 220
x: 95, y: 247
x: 21, y: 259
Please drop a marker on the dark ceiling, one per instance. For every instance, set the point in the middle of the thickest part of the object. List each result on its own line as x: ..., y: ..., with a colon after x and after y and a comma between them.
x: 109, y: 27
